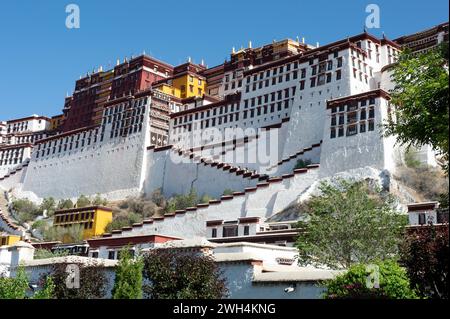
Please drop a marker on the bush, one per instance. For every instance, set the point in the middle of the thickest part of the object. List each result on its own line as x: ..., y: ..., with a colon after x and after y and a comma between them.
x: 99, y: 201
x: 45, y: 253
x: 83, y: 201
x: 65, y: 204
x: 302, y: 163
x: 425, y: 255
x: 72, y: 234
x: 49, y: 205
x: 128, y: 280
x: 93, y: 282
x: 123, y: 219
x: 18, y: 286
x: 26, y: 210
x: 431, y: 183
x: 182, y: 201
x: 359, y: 282
x: 172, y: 274
x: 227, y: 192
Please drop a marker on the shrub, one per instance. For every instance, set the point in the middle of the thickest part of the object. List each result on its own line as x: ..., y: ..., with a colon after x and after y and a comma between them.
x: 302, y: 163
x: 65, y: 204
x: 49, y: 205
x: 72, y: 234
x: 172, y: 274
x: 99, y: 201
x: 26, y: 210
x: 425, y: 255
x: 45, y: 253
x: 14, y: 288
x: 93, y: 282
x: 431, y: 183
x: 227, y: 192
x: 83, y: 201
x: 128, y: 280
x: 359, y: 282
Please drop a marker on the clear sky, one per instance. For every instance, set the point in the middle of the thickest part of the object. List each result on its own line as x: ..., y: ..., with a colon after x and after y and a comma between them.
x: 40, y: 58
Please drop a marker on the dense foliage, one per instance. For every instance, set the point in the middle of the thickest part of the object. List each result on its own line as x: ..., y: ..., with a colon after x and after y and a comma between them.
x: 425, y: 255
x: 172, y: 274
x: 93, y: 282
x: 380, y: 280
x: 18, y: 287
x: 347, y: 224
x: 421, y: 98
x: 128, y: 280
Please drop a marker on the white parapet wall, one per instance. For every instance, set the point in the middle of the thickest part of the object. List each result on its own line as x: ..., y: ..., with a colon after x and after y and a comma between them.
x: 263, y: 200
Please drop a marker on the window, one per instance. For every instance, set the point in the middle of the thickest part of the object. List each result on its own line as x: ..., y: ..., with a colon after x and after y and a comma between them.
x: 352, y: 130
x: 341, y: 131
x: 230, y: 231
x: 314, y: 70
x: 328, y: 77
x: 339, y: 62
x: 214, y: 233
x: 362, y: 127
x: 371, y: 126
x: 303, y: 75
x: 313, y: 82
x: 422, y: 219
x: 333, y: 133
x: 371, y: 113
x: 302, y: 85
x: 333, y: 120
x: 111, y: 254
x: 246, y: 230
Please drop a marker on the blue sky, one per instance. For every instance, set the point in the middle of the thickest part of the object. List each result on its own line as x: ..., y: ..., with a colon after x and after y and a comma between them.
x: 40, y: 58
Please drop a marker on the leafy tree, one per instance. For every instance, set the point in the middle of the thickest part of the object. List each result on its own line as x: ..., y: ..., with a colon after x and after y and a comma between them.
x: 123, y: 220
x: 302, y: 163
x: 421, y: 98
x: 49, y: 205
x: 380, y: 280
x: 83, y: 201
x: 99, y: 201
x: 47, y: 290
x: 26, y: 210
x: 93, y: 282
x: 128, y: 281
x: 425, y: 254
x: 347, y: 225
x: 72, y: 234
x: 14, y: 288
x: 172, y: 274
x: 65, y: 204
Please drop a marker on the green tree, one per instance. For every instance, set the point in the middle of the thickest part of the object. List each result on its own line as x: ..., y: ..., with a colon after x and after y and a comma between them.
x: 421, y: 99
x: 72, y: 234
x: 379, y: 280
x: 93, y: 282
x: 425, y: 254
x: 83, y: 201
x: 65, y: 204
x: 99, y: 201
x: 172, y: 274
x: 47, y: 290
x: 349, y: 224
x: 128, y: 281
x: 49, y: 205
x: 16, y: 287
x: 26, y: 210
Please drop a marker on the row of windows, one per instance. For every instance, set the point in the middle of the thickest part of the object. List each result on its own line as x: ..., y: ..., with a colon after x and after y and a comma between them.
x: 68, y: 143
x: 250, y: 113
x: 352, y: 129
x: 74, y: 217
x: 10, y: 157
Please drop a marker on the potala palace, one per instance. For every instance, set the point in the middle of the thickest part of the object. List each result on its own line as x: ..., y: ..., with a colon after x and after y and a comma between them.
x: 242, y: 126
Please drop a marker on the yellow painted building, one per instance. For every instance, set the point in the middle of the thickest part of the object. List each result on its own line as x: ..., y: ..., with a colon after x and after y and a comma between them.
x: 190, y: 85
x: 186, y: 82
x: 8, y: 240
x: 93, y: 219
